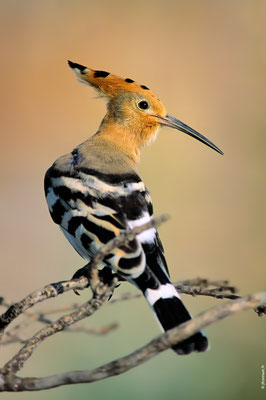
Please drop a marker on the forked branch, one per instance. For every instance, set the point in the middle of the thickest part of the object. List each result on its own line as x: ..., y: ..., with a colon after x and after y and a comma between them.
x: 101, y: 293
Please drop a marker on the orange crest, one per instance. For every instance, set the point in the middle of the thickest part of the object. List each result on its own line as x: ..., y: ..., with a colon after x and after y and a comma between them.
x: 108, y: 84
x: 137, y: 110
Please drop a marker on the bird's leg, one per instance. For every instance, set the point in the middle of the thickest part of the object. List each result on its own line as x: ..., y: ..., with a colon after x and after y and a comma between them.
x: 106, y: 276
x: 84, y: 271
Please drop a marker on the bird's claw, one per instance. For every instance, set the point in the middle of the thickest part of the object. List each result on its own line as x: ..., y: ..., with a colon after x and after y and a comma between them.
x: 106, y: 275
x: 84, y: 271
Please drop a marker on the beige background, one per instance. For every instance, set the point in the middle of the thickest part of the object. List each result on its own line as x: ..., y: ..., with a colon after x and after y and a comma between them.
x: 206, y: 60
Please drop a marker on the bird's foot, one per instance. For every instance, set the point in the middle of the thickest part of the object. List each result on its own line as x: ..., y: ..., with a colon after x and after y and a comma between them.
x: 106, y: 276
x: 84, y: 271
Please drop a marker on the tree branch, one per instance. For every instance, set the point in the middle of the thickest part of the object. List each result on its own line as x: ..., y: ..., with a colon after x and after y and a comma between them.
x: 10, y: 382
x: 100, y: 296
x: 101, y: 291
x: 192, y: 287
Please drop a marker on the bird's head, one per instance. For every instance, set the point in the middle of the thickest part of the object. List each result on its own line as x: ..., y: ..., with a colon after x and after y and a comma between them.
x: 133, y: 109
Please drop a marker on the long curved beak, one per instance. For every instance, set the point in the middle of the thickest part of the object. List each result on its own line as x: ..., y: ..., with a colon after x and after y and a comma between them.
x: 176, y: 124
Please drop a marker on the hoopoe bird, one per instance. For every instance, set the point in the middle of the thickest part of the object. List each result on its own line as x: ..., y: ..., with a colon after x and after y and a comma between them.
x: 94, y: 193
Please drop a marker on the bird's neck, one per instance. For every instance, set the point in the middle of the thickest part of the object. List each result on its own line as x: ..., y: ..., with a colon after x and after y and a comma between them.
x: 129, y: 135
x: 121, y: 136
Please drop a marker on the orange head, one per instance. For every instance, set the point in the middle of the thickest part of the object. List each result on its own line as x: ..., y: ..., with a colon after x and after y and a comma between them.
x: 134, y: 113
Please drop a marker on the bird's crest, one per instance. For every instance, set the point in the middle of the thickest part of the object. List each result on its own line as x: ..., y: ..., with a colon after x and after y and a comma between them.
x: 134, y: 107
x: 108, y: 84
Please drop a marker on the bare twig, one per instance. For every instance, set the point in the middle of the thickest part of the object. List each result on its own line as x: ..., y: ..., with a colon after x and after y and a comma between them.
x: 90, y: 330
x: 51, y: 290
x: 10, y: 382
x: 218, y: 293
x: 201, y: 288
x: 101, y: 292
x: 87, y: 309
x: 193, y: 287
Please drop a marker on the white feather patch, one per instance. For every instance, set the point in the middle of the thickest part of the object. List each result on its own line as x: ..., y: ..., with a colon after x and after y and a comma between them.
x: 72, y: 183
x: 146, y: 236
x: 163, y: 292
x: 89, y: 184
x: 103, y: 187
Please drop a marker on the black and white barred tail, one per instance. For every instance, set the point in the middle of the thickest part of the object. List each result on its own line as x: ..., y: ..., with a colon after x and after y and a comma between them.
x: 171, y: 312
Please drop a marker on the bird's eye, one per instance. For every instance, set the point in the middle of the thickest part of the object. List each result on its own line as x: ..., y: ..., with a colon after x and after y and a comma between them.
x: 143, y: 105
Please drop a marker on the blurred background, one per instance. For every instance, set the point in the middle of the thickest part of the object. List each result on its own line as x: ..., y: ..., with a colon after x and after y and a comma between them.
x: 206, y: 60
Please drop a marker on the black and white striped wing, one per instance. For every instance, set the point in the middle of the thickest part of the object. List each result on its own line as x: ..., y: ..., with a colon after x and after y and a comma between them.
x: 93, y: 208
